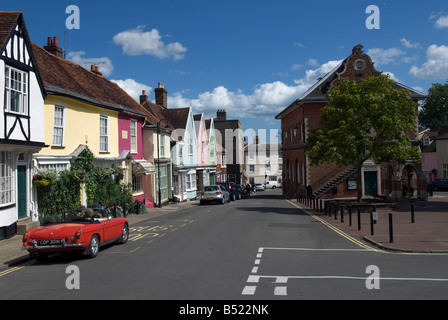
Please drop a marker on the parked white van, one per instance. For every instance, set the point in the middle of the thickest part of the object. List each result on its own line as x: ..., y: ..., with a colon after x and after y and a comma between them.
x: 271, y: 184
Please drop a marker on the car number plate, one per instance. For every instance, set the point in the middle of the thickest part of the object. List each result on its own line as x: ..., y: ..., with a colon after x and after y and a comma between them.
x: 210, y: 198
x: 51, y: 242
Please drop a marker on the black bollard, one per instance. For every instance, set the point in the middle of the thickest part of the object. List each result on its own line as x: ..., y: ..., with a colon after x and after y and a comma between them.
x: 391, y: 229
x: 342, y: 214
x: 371, y: 223
x: 350, y: 216
x: 359, y: 219
x: 412, y: 214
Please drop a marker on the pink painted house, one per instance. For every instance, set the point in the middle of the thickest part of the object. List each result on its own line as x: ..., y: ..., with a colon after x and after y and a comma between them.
x: 130, y: 143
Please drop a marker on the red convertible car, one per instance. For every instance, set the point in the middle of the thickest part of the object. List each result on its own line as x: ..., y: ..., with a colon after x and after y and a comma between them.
x: 83, y: 230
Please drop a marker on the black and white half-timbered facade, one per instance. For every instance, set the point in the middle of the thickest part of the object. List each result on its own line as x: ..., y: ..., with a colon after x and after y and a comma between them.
x: 21, y: 123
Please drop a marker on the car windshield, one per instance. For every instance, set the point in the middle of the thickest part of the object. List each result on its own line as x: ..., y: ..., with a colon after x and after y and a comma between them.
x: 211, y: 188
x: 83, y: 215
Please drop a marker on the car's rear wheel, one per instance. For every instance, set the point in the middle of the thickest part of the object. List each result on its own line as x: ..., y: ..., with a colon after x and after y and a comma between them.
x: 94, y: 246
x: 124, y: 234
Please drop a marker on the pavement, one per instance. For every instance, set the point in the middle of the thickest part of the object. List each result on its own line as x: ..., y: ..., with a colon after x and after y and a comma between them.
x: 426, y: 233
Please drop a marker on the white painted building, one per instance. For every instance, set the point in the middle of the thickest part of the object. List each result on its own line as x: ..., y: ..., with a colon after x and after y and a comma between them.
x: 264, y: 163
x: 21, y: 123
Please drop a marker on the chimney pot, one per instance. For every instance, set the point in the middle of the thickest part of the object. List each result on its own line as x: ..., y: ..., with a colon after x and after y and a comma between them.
x: 53, y: 46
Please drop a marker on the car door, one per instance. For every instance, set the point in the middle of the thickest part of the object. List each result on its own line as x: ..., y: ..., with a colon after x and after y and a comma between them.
x: 112, y: 227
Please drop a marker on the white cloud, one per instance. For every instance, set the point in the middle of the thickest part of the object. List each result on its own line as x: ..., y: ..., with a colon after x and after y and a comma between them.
x: 137, y: 42
x: 133, y: 88
x: 105, y: 64
x: 266, y: 100
x: 409, y: 45
x: 382, y: 56
x: 436, y: 66
x: 442, y: 22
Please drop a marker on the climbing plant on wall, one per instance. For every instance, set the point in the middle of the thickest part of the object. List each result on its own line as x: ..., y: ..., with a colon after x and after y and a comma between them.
x: 57, y: 193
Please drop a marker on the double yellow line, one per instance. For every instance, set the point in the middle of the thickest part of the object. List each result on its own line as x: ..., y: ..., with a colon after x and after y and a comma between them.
x: 13, y: 269
x: 335, y: 229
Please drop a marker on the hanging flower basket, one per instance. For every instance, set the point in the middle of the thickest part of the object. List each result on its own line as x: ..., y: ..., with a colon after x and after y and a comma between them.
x: 41, y: 181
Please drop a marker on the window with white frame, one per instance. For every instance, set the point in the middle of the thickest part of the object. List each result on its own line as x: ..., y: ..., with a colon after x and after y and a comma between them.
x: 133, y: 136
x: 104, y: 133
x: 251, y: 168
x: 191, y: 181
x: 137, y: 185
x: 6, y: 178
x: 16, y: 91
x: 58, y: 126
x: 162, y: 146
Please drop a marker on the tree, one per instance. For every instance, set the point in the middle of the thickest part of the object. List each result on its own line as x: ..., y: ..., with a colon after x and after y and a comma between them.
x: 364, y: 119
x: 434, y: 112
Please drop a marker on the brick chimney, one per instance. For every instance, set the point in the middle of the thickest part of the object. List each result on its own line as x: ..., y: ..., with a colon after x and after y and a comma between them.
x: 95, y: 69
x: 53, y: 46
x: 221, y: 114
x: 144, y: 97
x: 161, y: 96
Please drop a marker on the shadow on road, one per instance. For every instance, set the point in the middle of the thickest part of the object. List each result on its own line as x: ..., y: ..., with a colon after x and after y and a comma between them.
x: 265, y: 202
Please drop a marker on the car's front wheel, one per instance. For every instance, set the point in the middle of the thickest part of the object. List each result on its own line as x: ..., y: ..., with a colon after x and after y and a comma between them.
x: 94, y: 246
x: 124, y: 234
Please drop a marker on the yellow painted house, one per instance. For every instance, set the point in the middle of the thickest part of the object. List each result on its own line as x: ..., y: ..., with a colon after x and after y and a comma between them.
x: 82, y: 110
x: 87, y: 126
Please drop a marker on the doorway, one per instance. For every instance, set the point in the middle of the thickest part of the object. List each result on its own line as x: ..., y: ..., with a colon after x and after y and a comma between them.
x: 21, y: 192
x: 370, y: 183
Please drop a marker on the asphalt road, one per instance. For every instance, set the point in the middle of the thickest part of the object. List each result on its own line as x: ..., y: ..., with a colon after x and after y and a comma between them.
x: 261, y: 248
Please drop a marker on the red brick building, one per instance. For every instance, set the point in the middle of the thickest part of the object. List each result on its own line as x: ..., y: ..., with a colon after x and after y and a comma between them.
x: 330, y: 180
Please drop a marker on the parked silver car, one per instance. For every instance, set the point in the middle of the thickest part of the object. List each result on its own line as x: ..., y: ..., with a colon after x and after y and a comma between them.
x: 214, y: 193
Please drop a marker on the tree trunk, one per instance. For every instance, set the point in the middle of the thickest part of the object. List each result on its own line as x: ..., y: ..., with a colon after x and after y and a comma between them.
x: 359, y: 184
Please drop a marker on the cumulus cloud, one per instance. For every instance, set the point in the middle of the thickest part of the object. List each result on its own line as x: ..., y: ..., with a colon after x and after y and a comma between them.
x: 266, y: 100
x: 436, y: 66
x: 408, y: 44
x: 442, y: 22
x: 133, y: 88
x: 384, y: 56
x: 105, y: 64
x: 137, y: 42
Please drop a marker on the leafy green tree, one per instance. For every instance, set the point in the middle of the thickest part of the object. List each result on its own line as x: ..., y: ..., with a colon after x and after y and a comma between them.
x: 364, y: 119
x: 434, y: 112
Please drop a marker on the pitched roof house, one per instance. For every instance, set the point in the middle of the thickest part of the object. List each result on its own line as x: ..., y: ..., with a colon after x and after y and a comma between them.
x: 330, y: 180
x: 21, y: 117
x: 84, y: 109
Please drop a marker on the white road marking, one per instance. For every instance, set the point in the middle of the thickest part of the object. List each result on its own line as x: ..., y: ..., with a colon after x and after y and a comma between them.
x: 282, y: 290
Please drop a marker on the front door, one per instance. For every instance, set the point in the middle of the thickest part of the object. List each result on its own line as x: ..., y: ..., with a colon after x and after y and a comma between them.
x: 370, y: 183
x: 21, y: 191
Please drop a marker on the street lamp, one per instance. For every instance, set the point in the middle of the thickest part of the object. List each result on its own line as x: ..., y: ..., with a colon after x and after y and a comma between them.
x: 158, y: 160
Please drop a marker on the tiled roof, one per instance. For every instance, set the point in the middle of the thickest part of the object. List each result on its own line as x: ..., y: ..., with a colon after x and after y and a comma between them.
x: 64, y: 77
x: 7, y: 22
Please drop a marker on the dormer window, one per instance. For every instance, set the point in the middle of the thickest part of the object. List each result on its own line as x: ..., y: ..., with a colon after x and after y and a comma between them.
x: 16, y: 91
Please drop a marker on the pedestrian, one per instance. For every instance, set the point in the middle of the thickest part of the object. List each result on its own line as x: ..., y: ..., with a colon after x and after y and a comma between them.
x: 248, y: 187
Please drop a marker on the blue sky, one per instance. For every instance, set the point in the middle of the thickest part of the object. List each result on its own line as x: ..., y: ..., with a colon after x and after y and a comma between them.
x: 252, y: 58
